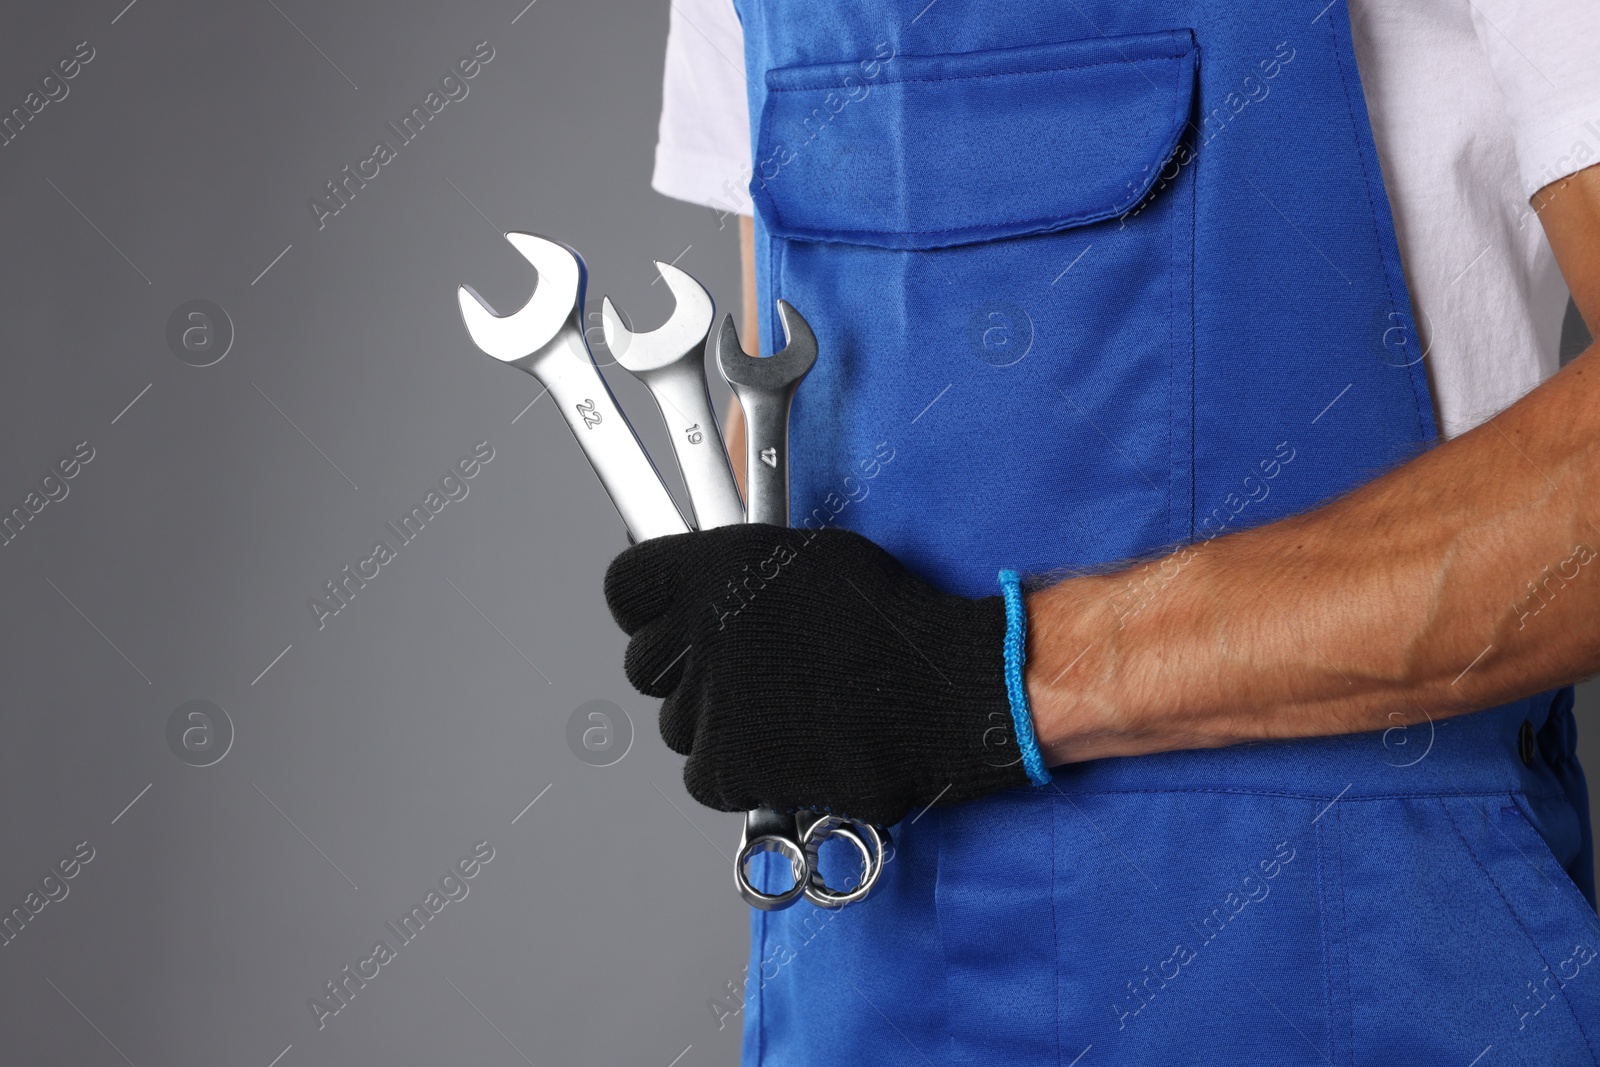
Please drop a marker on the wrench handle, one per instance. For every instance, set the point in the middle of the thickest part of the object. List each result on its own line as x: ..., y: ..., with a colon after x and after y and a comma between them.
x: 679, y: 390
x: 567, y: 370
x: 766, y: 450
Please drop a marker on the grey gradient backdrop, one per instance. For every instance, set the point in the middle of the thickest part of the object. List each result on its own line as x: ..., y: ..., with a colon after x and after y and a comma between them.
x: 378, y: 750
x: 425, y: 717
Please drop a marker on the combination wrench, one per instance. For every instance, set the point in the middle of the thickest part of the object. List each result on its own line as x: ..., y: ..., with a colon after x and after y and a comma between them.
x: 765, y: 387
x: 670, y: 361
x: 545, y: 339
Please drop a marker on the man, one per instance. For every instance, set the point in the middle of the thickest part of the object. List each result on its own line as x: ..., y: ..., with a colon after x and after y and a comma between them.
x: 1213, y: 319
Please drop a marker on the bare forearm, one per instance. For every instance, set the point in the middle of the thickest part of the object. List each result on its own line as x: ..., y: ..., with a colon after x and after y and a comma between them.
x: 1462, y: 580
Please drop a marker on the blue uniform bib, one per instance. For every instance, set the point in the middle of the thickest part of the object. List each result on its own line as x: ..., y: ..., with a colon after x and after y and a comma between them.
x: 1091, y: 280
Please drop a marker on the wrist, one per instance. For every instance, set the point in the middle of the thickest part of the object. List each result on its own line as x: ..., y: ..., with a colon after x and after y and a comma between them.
x: 1119, y: 663
x: 1073, y: 642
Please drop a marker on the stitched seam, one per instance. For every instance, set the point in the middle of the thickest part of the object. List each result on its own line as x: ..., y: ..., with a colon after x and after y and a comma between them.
x: 937, y: 832
x: 1327, y: 955
x: 1191, y: 355
x: 1057, y: 222
x: 1344, y: 923
x: 1563, y: 882
x: 1172, y: 326
x: 1055, y: 933
x: 1372, y: 211
x: 760, y: 1018
x: 1538, y: 950
x: 1162, y: 57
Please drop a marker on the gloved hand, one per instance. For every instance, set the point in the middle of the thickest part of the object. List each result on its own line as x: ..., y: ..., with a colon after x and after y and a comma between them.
x: 809, y: 669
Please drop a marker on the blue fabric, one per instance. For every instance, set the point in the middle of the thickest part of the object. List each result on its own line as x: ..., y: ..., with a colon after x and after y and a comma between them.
x: 1093, y: 112
x: 1053, y: 338
x: 1016, y: 652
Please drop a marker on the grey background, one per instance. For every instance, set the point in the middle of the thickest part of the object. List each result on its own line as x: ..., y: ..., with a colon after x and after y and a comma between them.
x: 409, y: 728
x: 370, y: 755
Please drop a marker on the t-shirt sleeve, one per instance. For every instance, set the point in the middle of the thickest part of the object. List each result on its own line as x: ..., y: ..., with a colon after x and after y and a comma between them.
x: 1543, y: 54
x: 703, y: 151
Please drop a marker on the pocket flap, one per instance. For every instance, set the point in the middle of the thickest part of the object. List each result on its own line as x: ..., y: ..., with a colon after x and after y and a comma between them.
x: 974, y: 146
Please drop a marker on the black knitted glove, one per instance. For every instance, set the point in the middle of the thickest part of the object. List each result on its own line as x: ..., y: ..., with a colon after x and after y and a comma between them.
x: 811, y: 670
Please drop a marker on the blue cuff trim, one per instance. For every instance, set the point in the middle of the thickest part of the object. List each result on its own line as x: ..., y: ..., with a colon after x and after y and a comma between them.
x: 1016, y: 657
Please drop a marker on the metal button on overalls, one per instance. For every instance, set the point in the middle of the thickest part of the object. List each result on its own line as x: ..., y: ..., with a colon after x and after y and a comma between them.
x: 1081, y: 295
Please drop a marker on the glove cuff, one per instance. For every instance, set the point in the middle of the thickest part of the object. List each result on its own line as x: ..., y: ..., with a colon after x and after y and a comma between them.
x: 1016, y: 652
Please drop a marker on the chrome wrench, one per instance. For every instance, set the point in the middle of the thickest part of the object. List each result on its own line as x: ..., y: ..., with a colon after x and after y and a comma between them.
x: 765, y: 388
x: 671, y: 362
x: 545, y: 339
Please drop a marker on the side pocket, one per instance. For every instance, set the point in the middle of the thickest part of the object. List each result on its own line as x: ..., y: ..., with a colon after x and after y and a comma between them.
x: 1463, y: 934
x: 1525, y: 817
x: 1548, y: 915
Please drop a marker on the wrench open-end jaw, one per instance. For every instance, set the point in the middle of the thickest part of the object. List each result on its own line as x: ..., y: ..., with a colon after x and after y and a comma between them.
x: 545, y: 339
x: 684, y: 331
x: 523, y: 335
x: 671, y: 362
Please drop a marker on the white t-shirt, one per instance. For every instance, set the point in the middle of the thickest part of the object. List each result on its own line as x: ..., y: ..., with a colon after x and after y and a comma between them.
x: 1475, y: 104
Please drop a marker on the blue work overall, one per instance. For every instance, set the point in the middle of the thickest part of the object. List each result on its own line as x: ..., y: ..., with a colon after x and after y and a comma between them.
x: 1093, y: 279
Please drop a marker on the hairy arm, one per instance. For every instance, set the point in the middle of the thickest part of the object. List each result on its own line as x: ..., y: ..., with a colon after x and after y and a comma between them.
x: 1466, y: 578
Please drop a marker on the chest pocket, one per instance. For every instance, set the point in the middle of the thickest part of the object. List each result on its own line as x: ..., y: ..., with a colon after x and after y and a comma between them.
x: 1016, y: 224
